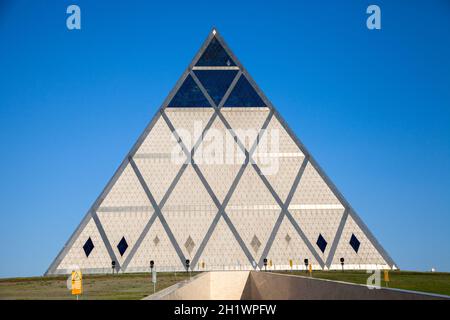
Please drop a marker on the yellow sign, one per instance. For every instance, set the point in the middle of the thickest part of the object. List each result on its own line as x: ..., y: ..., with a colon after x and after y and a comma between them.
x: 290, y: 263
x: 270, y: 262
x: 386, y: 275
x: 77, y: 282
x: 310, y: 268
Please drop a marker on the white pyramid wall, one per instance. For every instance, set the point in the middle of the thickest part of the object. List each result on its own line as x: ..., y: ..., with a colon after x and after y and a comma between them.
x: 295, y: 249
x: 189, y: 123
x: 223, y: 251
x: 154, y: 159
x: 168, y: 209
x: 317, y: 222
x: 127, y: 224
x: 189, y: 211
x: 281, y: 165
x: 98, y: 260
x: 246, y: 122
x: 368, y: 257
x: 253, y: 211
x: 313, y: 190
x: 126, y: 191
x: 161, y: 251
x: 219, y: 170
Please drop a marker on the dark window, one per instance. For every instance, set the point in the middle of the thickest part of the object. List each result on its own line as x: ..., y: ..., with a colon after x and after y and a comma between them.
x: 321, y: 243
x: 88, y: 247
x: 216, y: 82
x: 215, y: 55
x: 189, y: 95
x: 122, y: 246
x: 243, y: 95
x: 354, y: 242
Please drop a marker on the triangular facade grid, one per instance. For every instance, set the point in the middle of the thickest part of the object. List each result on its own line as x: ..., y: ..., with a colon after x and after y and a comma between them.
x: 219, y: 178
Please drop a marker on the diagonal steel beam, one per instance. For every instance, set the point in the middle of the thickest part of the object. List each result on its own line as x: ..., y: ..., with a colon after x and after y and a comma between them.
x: 158, y: 211
x: 230, y: 89
x: 220, y: 206
x: 337, y: 238
x: 203, y: 90
x: 168, y: 192
x: 211, y: 194
x: 248, y: 157
x: 336, y: 192
x: 283, y: 212
x: 294, y: 223
x: 255, y: 166
x: 305, y: 239
x: 141, y: 238
x: 271, y: 189
x: 105, y: 239
x: 152, y: 218
x: 62, y: 254
x: 218, y: 215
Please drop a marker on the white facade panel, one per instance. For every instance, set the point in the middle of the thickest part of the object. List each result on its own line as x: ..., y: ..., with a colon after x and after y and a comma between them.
x: 76, y: 257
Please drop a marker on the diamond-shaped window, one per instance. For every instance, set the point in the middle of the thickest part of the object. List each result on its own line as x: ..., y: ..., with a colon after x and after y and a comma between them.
x: 189, y: 244
x: 88, y: 247
x: 321, y: 243
x: 255, y: 243
x: 122, y: 246
x: 354, y: 242
x: 287, y: 238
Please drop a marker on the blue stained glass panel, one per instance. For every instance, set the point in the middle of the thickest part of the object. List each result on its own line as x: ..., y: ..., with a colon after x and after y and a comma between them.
x: 354, y: 242
x: 122, y: 246
x: 244, y: 95
x: 321, y: 243
x: 88, y: 247
x: 215, y: 55
x: 216, y: 82
x: 189, y: 95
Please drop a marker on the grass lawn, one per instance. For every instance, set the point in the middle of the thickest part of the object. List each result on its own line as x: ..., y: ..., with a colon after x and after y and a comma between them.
x: 95, y: 287
x: 138, y: 286
x: 433, y: 282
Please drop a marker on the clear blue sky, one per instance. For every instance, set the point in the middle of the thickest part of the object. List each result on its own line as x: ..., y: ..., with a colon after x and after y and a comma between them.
x: 373, y: 107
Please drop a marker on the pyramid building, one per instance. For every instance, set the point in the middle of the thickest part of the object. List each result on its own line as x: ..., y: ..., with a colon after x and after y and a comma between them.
x: 219, y: 179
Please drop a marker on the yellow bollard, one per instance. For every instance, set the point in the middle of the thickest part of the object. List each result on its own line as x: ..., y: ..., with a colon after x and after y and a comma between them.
x: 386, y: 277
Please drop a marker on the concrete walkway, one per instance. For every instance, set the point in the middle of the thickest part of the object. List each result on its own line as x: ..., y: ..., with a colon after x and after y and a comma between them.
x: 252, y: 285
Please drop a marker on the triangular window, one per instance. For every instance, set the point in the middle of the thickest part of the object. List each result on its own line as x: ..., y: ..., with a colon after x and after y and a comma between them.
x: 215, y: 55
x: 216, y: 82
x: 244, y: 95
x: 189, y: 95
